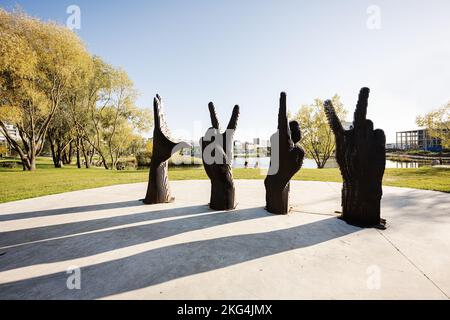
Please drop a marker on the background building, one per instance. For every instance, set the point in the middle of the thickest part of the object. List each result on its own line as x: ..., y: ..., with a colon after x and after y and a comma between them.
x: 5, y: 148
x: 417, y: 140
x: 347, y: 125
x: 259, y: 147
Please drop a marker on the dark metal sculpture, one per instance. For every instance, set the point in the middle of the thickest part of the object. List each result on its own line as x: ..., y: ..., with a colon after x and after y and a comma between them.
x: 361, y: 155
x: 286, y: 159
x: 217, y: 157
x: 158, y: 190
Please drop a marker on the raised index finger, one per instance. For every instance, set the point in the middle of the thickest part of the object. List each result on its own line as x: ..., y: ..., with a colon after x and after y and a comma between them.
x: 282, y: 112
x: 361, y: 107
x: 213, y: 115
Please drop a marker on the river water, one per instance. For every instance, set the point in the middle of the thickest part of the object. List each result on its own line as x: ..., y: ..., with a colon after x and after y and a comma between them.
x: 264, y: 162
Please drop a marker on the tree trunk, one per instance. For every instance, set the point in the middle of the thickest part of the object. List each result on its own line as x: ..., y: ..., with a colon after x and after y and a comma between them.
x: 56, y: 152
x: 77, y: 146
x: 33, y: 161
x: 64, y: 157
x: 87, y: 160
x: 70, y: 153
x: 91, y: 155
x: 105, y: 164
x: 25, y: 163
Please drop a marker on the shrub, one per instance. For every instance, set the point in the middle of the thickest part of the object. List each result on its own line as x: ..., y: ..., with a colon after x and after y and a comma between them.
x: 10, y: 164
x: 143, y: 159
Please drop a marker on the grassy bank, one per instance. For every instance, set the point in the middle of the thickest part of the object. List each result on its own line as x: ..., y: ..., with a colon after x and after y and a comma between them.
x: 16, y: 184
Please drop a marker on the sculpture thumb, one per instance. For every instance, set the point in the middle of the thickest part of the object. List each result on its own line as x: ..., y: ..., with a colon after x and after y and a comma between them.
x: 179, y: 146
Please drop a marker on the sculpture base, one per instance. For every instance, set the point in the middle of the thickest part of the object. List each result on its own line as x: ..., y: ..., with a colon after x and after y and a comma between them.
x: 362, y: 208
x: 277, y: 198
x: 380, y: 226
x: 222, y: 195
x: 152, y: 201
x: 158, y: 190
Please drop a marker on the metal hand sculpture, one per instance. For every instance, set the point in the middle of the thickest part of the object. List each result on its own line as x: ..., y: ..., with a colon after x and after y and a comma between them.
x: 286, y: 160
x: 217, y: 157
x: 158, y: 190
x: 361, y: 156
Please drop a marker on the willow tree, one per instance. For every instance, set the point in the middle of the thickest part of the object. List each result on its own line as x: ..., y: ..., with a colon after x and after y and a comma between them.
x: 317, y: 138
x: 121, y: 118
x: 67, y: 129
x: 438, y: 124
x: 38, y: 61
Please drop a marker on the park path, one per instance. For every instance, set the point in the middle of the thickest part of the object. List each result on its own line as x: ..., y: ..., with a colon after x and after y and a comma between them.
x: 183, y: 250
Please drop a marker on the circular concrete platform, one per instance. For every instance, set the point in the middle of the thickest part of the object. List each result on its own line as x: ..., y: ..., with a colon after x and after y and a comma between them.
x: 119, y: 248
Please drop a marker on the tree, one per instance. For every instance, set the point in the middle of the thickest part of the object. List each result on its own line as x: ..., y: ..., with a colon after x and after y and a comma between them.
x: 83, y: 103
x: 317, y: 138
x: 118, y: 118
x: 95, y: 98
x: 438, y: 124
x: 38, y: 61
x: 60, y: 137
x: 64, y: 134
x: 118, y: 115
x: 3, y: 150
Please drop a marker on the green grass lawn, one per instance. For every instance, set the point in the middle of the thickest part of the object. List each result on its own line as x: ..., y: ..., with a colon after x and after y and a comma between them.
x: 16, y: 184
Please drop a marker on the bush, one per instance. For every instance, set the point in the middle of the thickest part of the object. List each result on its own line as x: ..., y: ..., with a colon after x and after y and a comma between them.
x: 177, y: 160
x: 143, y: 159
x: 126, y: 164
x: 10, y: 164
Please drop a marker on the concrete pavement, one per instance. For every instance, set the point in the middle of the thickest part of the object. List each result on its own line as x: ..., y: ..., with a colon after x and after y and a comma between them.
x: 122, y: 249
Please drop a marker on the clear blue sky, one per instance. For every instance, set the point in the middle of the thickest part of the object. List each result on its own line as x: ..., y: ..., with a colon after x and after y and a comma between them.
x: 246, y: 52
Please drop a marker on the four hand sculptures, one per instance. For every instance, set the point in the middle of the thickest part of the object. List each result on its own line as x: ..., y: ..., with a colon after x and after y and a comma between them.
x: 217, y: 157
x: 361, y: 156
x: 286, y: 160
x: 158, y: 190
x: 360, y: 153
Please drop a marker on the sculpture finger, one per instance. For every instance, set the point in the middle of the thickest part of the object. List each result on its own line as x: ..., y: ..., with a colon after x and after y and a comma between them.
x: 159, y: 98
x: 282, y: 113
x: 179, y: 146
x: 285, y: 140
x: 361, y: 107
x: 333, y: 119
x: 213, y: 115
x: 156, y: 112
x: 380, y: 137
x: 234, y: 118
x: 296, y: 134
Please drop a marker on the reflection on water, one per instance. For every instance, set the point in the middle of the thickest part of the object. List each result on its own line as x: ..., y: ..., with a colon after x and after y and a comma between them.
x: 264, y: 162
